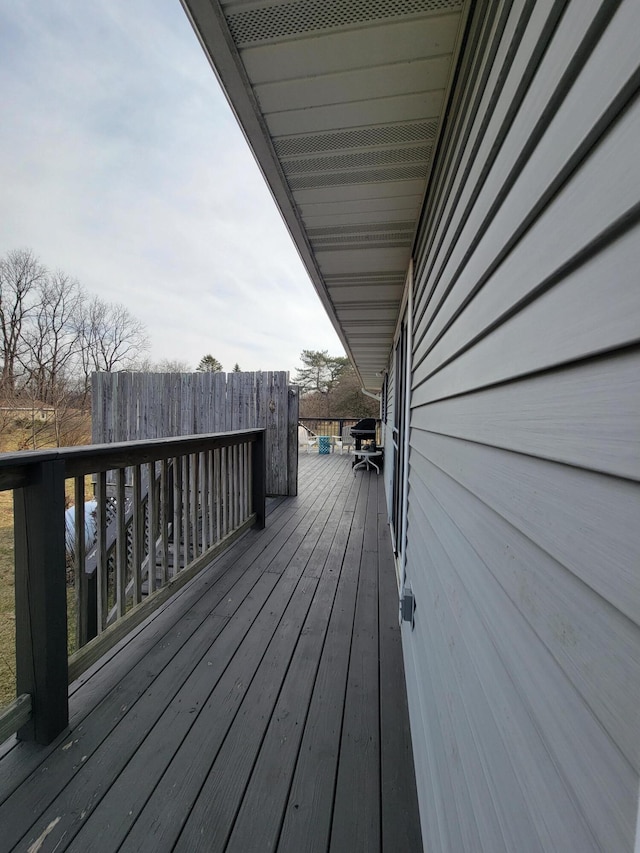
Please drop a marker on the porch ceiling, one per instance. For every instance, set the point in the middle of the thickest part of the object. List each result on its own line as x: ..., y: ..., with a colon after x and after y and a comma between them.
x: 341, y: 102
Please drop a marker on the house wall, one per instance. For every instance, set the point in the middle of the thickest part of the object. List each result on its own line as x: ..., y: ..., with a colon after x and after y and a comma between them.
x: 523, y: 667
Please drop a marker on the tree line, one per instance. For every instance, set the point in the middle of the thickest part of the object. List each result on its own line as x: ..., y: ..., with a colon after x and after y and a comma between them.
x: 54, y: 335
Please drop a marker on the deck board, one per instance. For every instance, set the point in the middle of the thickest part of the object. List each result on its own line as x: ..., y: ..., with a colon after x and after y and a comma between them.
x: 307, y: 818
x: 356, y: 816
x: 262, y: 708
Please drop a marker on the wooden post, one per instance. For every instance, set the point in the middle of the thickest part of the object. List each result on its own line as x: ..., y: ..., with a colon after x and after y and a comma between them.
x: 41, y: 601
x: 292, y: 448
x: 276, y: 408
x: 259, y: 479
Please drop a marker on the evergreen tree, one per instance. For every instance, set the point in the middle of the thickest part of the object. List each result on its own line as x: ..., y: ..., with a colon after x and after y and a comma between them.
x: 209, y: 364
x: 320, y: 371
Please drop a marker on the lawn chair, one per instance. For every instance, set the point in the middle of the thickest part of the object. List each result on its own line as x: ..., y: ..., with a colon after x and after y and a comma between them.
x: 347, y: 441
x: 306, y: 438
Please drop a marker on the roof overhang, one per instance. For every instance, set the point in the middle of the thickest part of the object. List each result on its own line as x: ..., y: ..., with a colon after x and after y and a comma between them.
x: 341, y: 102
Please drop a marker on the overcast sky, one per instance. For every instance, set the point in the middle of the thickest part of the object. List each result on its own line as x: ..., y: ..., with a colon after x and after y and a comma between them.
x: 121, y: 164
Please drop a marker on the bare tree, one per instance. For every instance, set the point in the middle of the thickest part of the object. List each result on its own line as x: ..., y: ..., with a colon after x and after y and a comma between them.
x: 21, y: 275
x: 71, y: 416
x: 51, y: 339
x: 172, y: 365
x: 7, y: 419
x: 112, y: 338
x: 165, y: 365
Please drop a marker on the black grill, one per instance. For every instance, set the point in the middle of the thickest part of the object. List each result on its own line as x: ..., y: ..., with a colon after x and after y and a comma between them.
x: 363, y: 432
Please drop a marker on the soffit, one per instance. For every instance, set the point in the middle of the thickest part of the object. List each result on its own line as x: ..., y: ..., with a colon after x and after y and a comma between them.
x: 341, y: 102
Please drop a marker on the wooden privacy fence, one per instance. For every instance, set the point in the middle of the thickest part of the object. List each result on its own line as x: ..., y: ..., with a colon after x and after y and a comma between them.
x: 191, y: 497
x: 140, y: 406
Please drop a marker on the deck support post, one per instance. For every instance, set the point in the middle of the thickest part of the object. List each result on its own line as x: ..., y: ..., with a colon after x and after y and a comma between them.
x: 41, y: 601
x: 259, y: 479
x: 293, y: 419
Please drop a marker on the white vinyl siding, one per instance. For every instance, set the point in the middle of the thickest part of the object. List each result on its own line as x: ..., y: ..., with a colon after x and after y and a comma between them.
x: 387, y: 437
x: 523, y: 549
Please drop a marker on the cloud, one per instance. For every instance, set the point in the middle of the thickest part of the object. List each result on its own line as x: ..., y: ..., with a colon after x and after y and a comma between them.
x: 122, y: 164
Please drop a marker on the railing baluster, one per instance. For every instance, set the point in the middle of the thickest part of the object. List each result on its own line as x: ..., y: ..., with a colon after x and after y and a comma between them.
x: 239, y: 496
x: 211, y: 496
x: 195, y: 480
x: 250, y: 494
x: 221, y: 497
x: 236, y: 486
x: 80, y: 580
x: 240, y: 483
x: 186, y: 510
x: 230, y: 488
x: 137, y: 544
x: 165, y: 515
x: 247, y: 510
x: 102, y: 569
x: 121, y: 547
x: 225, y: 490
x: 177, y: 513
x: 217, y: 461
x: 204, y: 501
x: 243, y: 490
x: 152, y: 525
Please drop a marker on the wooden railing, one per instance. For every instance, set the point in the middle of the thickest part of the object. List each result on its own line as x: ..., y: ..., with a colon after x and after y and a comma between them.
x: 164, y: 509
x: 335, y: 426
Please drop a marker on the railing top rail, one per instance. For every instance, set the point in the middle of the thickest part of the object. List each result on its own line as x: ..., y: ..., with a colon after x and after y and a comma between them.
x: 335, y: 420
x: 91, y: 458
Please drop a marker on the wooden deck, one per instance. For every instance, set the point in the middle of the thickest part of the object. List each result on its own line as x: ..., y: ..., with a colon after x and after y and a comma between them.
x: 262, y: 708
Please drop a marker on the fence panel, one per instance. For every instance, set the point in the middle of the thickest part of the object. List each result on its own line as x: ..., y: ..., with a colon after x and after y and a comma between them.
x: 142, y: 406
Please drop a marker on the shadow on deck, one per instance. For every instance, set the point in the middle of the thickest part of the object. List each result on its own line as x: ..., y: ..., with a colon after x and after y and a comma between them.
x: 262, y: 708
